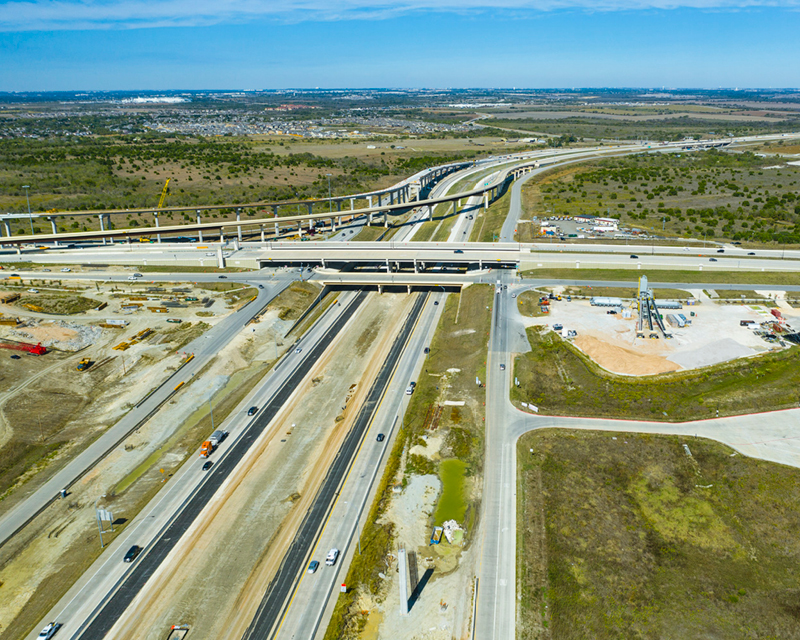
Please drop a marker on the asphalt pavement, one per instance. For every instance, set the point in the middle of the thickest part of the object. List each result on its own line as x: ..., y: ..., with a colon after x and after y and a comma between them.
x: 204, y: 349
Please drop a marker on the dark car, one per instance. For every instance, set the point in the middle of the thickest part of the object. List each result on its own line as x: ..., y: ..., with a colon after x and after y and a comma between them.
x: 634, y: 256
x: 720, y: 250
x: 261, y: 286
x: 208, y: 465
x: 15, y: 357
x: 223, y: 277
x: 435, y: 302
x: 252, y: 411
x: 458, y: 251
x: 502, y: 367
x: 751, y: 254
x: 712, y: 259
x: 380, y: 437
x: 132, y: 553
x: 313, y: 566
x: 425, y: 350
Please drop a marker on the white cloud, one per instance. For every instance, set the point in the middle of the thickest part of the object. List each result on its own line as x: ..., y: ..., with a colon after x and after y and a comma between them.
x: 48, y: 15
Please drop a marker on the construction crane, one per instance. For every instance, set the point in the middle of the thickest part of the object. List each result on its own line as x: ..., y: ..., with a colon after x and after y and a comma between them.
x: 33, y: 349
x: 163, y: 194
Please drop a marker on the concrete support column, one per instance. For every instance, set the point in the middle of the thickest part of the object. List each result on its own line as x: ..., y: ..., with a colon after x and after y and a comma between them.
x: 333, y: 225
x: 222, y: 235
x: 220, y: 258
x: 391, y: 197
x: 369, y: 202
x: 430, y: 212
x: 486, y: 200
x: 380, y: 286
x: 238, y: 228
x: 403, y: 567
x: 352, y: 204
x: 275, y: 210
x: 236, y: 244
x: 415, y: 266
x: 455, y: 207
x: 323, y: 263
x: 102, y: 226
x: 385, y: 221
x: 158, y: 235
x: 480, y: 264
x: 199, y: 231
x: 338, y: 205
x: 263, y: 238
x: 310, y: 208
x: 8, y: 228
x: 369, y: 219
x: 300, y: 230
x: 55, y: 230
x: 388, y: 267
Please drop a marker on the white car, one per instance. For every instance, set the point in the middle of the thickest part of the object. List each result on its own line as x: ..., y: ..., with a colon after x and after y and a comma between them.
x: 66, y: 270
x: 298, y: 350
x: 131, y: 277
x: 49, y: 631
x: 211, y: 254
x: 33, y: 291
x: 330, y: 559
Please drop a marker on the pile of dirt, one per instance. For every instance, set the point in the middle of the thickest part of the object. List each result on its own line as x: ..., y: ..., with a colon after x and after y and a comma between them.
x: 621, y: 360
x: 65, y: 336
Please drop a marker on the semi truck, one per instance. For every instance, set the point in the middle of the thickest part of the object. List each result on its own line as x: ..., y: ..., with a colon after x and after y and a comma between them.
x: 206, y: 449
x: 217, y: 437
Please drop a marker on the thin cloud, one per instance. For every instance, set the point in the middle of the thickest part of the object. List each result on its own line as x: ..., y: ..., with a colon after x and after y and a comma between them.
x: 53, y: 15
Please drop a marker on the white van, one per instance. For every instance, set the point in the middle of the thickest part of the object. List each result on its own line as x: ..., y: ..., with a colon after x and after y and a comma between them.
x: 330, y: 559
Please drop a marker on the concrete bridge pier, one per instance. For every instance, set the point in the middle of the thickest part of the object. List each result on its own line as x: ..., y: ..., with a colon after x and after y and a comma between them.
x: 388, y: 267
x: 238, y: 228
x: 54, y: 228
x: 369, y: 202
x: 222, y: 236
x: 385, y: 220
x: 199, y: 231
x: 103, y: 227
x: 486, y: 200
x: 310, y: 208
x: 275, y: 210
x: 323, y: 263
x: 430, y: 212
x: 415, y: 266
x: 8, y: 228
x: 455, y: 207
x: 352, y: 204
x: 380, y: 286
x: 408, y: 289
x: 263, y: 238
x: 158, y: 235
x: 276, y: 230
x: 338, y: 205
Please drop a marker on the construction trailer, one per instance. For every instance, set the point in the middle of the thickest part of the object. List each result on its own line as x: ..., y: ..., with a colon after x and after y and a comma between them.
x: 602, y: 301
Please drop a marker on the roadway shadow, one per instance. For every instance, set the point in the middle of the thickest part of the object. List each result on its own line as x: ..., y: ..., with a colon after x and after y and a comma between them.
x: 420, y: 586
x: 119, y: 521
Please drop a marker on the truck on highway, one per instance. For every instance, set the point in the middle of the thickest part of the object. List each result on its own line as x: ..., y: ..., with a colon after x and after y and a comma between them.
x: 206, y: 449
x: 217, y: 437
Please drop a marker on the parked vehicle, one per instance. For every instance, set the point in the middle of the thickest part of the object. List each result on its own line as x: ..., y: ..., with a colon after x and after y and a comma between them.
x: 436, y: 535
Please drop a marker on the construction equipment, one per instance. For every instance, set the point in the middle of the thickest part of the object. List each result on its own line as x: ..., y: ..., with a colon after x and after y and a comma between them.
x: 33, y: 349
x: 84, y: 364
x: 164, y: 192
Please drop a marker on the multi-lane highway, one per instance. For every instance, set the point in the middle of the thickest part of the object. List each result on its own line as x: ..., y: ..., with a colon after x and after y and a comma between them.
x: 204, y: 349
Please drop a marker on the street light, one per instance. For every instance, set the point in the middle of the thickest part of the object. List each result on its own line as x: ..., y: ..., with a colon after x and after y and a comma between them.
x: 330, y: 201
x: 28, y: 200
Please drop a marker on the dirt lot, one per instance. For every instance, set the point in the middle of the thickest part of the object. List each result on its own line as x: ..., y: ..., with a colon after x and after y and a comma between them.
x: 627, y: 536
x: 263, y: 503
x: 713, y: 336
x: 57, y: 546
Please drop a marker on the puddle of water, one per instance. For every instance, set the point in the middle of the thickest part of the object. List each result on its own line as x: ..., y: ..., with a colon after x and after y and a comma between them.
x: 452, y: 504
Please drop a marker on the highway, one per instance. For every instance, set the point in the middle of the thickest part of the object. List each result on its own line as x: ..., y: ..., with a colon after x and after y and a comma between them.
x: 204, y: 349
x: 92, y: 606
x: 275, y: 600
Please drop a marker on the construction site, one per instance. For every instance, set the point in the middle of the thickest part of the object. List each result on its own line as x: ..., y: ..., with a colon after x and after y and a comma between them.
x: 646, y: 334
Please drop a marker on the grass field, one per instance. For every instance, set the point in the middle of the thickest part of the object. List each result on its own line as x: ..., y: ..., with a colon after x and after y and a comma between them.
x: 489, y: 223
x: 56, y: 304
x: 560, y: 380
x: 292, y: 301
x: 706, y: 195
x: 632, y: 276
x: 528, y: 304
x: 631, y: 538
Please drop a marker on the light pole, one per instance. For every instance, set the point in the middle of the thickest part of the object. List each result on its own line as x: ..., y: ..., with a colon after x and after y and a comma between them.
x: 330, y: 201
x: 28, y: 200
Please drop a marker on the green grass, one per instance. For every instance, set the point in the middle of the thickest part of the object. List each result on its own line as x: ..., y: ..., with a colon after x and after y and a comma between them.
x: 632, y: 276
x: 59, y: 305
x: 632, y: 538
x: 528, y: 304
x: 488, y: 223
x: 452, y: 503
x: 561, y: 380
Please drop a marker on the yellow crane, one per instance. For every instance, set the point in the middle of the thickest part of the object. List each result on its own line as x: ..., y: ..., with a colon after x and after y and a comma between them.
x: 163, y: 194
x: 160, y: 204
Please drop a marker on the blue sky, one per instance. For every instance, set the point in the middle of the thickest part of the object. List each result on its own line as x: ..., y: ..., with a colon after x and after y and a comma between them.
x: 264, y: 44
